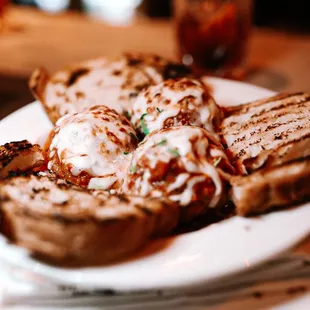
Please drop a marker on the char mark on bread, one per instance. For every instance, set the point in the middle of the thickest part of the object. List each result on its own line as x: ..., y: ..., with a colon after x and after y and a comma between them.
x: 268, y: 132
x: 19, y: 157
x: 68, y: 225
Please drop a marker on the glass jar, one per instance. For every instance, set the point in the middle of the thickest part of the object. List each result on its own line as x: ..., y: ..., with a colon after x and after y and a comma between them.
x: 213, y: 35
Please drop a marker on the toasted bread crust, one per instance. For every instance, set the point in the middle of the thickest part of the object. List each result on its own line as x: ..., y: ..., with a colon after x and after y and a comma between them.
x: 267, y: 132
x: 243, y: 108
x: 37, y: 84
x: 68, y: 225
x: 113, y: 82
x: 19, y: 157
x: 272, y: 187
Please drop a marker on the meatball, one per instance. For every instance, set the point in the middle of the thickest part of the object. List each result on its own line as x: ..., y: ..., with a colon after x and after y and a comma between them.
x: 184, y: 164
x: 92, y: 148
x: 175, y: 102
x: 118, y: 81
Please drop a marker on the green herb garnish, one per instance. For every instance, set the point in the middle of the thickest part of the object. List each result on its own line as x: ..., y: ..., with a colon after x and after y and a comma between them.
x: 159, y: 110
x: 162, y: 142
x: 143, y: 125
x: 174, y: 152
x: 133, y: 169
x: 125, y: 153
x: 216, y: 163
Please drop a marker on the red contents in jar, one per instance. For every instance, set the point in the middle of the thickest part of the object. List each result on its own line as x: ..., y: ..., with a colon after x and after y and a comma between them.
x: 213, y: 36
x: 3, y: 3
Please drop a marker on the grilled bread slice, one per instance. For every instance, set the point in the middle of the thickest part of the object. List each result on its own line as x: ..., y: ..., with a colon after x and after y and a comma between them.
x: 19, y: 157
x: 278, y: 186
x: 71, y: 226
x: 268, y: 132
x: 112, y: 82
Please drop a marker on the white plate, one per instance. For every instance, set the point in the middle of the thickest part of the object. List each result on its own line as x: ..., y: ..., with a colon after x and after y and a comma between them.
x: 190, y: 259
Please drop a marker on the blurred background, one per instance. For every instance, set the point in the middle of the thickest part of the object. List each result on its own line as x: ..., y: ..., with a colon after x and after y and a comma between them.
x: 291, y: 15
x: 263, y: 42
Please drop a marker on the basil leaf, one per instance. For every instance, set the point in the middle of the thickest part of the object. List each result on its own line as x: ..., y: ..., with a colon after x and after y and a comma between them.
x: 133, y: 169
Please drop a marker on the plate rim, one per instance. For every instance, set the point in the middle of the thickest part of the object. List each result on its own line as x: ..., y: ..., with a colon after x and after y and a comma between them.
x: 171, y: 285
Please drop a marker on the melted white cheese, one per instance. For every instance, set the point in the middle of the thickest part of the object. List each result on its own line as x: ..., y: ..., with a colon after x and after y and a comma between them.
x: 186, y: 196
x: 180, y: 140
x: 164, y: 101
x: 102, y: 183
x: 179, y: 182
x: 82, y: 143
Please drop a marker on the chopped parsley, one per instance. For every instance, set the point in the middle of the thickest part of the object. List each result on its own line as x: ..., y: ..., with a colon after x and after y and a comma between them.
x: 133, y: 169
x: 216, y: 163
x: 174, y: 152
x: 143, y: 125
x: 125, y: 153
x: 162, y: 142
x: 159, y: 110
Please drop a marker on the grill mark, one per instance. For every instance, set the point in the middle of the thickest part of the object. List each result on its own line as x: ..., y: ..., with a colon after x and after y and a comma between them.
x: 12, y: 150
x: 276, y: 125
x: 66, y: 213
x: 242, y: 152
x: 75, y: 75
x: 282, y: 136
x: 297, y: 140
x: 245, y: 108
x: 233, y: 122
x: 259, y: 130
x: 252, y: 105
x: 145, y: 210
x: 256, y: 131
x: 278, y: 107
x: 245, y: 124
x: 268, y: 128
x: 255, y: 142
x: 258, y: 121
x: 238, y: 140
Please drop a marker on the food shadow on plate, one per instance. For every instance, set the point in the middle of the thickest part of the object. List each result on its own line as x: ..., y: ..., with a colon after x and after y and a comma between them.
x: 151, y: 248
x: 211, y: 216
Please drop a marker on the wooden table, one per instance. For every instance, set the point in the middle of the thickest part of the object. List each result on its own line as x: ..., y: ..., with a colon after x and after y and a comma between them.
x: 280, y: 61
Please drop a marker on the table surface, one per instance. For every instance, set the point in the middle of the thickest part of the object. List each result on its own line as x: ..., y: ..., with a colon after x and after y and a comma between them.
x: 280, y: 61
x: 277, y: 60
